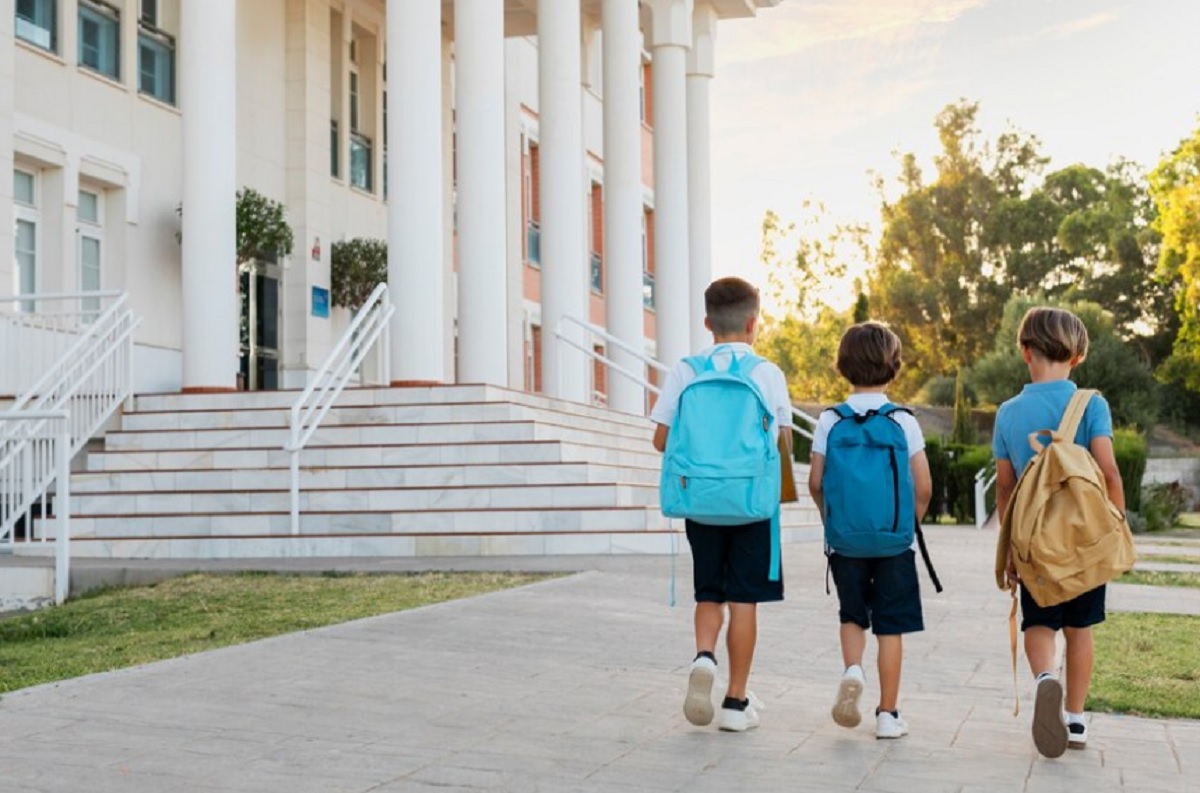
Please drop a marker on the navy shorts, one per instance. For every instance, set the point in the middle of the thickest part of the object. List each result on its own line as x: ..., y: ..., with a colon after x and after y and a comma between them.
x: 880, y: 591
x: 1082, y: 611
x: 731, y: 564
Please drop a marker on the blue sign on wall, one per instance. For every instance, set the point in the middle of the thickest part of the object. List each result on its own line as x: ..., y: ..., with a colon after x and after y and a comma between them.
x: 320, y: 302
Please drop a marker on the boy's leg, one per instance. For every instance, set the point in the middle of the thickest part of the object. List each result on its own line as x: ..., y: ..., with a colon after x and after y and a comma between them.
x: 708, y: 621
x: 709, y: 552
x: 1041, y: 626
x: 854, y: 644
x: 740, y: 640
x: 1080, y: 658
x: 852, y: 577
x: 891, y: 653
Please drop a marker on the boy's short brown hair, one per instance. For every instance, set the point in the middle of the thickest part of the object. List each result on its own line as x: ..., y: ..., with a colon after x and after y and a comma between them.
x: 1053, y: 333
x: 869, y: 355
x: 729, y: 303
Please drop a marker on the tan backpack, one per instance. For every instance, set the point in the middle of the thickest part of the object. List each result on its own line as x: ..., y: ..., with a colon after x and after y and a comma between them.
x: 1067, y: 537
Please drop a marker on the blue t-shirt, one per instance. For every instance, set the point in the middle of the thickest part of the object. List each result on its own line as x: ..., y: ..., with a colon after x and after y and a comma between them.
x: 1040, y: 406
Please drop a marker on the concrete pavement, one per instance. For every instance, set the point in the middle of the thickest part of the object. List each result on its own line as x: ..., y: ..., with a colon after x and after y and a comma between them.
x: 575, y: 684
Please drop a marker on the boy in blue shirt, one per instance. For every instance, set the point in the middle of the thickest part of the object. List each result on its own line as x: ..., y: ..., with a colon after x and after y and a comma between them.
x: 1054, y: 341
x: 730, y: 563
x: 880, y: 592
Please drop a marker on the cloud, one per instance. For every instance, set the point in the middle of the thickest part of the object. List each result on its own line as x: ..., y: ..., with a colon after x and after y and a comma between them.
x: 1069, y: 28
x: 797, y: 26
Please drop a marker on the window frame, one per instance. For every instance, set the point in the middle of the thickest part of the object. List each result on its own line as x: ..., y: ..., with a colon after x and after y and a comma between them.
x: 107, y: 17
x: 90, y: 229
x: 162, y: 43
x: 31, y: 25
x: 31, y: 214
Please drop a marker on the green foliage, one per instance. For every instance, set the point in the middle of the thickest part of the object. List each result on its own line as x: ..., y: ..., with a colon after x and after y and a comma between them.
x: 1130, y: 450
x: 935, y: 453
x: 356, y: 267
x: 1175, y: 188
x: 862, y: 308
x: 964, y: 431
x: 262, y: 228
x: 1163, y: 503
x: 952, y: 469
x: 938, y: 390
x: 1111, y: 366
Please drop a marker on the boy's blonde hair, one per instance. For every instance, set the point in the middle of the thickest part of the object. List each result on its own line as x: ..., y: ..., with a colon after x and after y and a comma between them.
x: 1053, y: 333
x: 869, y: 355
x: 729, y: 304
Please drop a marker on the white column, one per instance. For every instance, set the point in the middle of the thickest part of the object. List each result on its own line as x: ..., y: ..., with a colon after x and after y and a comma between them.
x: 623, y: 196
x: 208, y: 101
x: 415, y: 215
x: 560, y: 133
x: 671, y: 39
x: 479, y: 102
x: 699, y: 77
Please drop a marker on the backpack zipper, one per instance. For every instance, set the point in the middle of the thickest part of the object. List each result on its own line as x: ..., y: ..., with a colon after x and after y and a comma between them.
x: 895, y: 492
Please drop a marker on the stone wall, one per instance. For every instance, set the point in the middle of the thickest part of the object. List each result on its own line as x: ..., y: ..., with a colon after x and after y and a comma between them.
x: 1185, y: 470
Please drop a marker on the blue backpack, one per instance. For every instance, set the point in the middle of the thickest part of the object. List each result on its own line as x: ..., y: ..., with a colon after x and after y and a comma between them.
x: 721, y: 464
x: 868, y: 486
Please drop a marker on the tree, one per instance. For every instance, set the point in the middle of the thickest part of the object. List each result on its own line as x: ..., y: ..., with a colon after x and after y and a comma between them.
x: 1112, y: 365
x: 262, y: 228
x: 1175, y: 188
x: 964, y: 431
x: 356, y: 267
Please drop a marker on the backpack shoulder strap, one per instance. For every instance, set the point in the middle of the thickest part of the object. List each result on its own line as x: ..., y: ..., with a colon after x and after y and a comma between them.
x: 843, y: 411
x: 698, y: 363
x: 1074, y: 413
x: 890, y: 409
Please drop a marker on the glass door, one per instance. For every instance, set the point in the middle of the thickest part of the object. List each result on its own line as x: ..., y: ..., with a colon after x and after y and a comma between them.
x: 259, y: 327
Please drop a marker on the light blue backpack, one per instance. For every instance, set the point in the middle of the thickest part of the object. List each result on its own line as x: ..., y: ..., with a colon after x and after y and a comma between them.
x: 721, y: 465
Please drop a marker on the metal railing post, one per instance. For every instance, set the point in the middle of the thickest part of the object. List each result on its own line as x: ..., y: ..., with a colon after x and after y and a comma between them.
x: 62, y: 540
x: 980, y: 502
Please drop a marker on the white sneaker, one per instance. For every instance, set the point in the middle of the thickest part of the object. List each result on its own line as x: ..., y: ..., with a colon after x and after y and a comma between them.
x: 888, y: 725
x: 697, y: 705
x: 1077, y: 738
x: 1050, y: 734
x: 734, y: 720
x: 845, y: 707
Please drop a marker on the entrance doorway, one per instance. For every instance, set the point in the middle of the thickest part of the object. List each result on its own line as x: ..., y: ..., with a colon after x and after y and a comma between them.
x: 259, y: 326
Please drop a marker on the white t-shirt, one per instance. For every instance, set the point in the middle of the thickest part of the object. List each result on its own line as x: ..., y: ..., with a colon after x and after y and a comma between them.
x: 767, y: 376
x: 860, y: 404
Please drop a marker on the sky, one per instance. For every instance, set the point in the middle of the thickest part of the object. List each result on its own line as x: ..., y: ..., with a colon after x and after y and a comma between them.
x: 813, y: 94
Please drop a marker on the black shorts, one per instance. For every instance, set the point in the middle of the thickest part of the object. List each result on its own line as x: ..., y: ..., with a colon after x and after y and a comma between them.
x: 881, y: 591
x: 1082, y: 611
x: 731, y: 564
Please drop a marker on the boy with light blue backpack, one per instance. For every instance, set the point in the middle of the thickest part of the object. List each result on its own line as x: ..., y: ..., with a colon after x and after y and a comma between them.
x: 870, y: 478
x: 719, y: 420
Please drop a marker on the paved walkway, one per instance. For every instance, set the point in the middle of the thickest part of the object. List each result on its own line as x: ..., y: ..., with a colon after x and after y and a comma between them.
x: 575, y: 684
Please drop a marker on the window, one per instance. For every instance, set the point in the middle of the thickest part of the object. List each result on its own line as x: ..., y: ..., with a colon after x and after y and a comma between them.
x: 385, y: 140
x: 90, y: 231
x: 99, y: 38
x: 37, y: 23
x: 596, y: 229
x: 156, y: 57
x: 533, y: 212
x: 647, y: 261
x: 354, y: 100
x: 335, y: 160
x: 25, y: 280
x: 360, y: 161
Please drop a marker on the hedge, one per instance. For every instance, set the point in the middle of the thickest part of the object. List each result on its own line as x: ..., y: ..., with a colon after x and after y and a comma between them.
x: 1129, y: 447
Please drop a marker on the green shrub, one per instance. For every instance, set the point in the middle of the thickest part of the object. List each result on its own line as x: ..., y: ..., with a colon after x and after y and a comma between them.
x: 1129, y: 447
x: 960, y: 480
x: 935, y: 451
x: 1163, y: 503
x: 801, y: 448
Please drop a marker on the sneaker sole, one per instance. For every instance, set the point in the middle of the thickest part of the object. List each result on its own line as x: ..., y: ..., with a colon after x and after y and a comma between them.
x: 845, y: 711
x: 698, y: 706
x: 741, y: 726
x: 1050, y: 734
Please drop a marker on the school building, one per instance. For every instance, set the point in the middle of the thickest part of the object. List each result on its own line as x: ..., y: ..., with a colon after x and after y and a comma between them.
x: 525, y: 160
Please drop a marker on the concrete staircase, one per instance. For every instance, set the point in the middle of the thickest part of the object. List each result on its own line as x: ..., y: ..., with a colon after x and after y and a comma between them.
x: 429, y: 471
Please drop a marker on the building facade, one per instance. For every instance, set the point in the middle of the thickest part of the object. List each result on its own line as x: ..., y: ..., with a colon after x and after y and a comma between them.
x: 525, y: 160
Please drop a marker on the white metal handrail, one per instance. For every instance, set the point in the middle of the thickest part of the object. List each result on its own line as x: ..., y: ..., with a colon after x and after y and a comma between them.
x: 90, y: 379
x: 985, y: 478
x: 641, y: 380
x: 343, y: 361
x: 47, y: 454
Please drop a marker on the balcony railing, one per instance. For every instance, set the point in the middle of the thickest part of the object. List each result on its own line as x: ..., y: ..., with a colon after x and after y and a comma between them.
x: 597, y: 273
x: 360, y: 161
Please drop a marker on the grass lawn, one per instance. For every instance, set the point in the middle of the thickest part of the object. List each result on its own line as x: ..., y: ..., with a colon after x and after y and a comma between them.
x: 1148, y: 665
x: 120, y: 627
x: 1190, y: 520
x: 1168, y: 558
x: 1160, y: 578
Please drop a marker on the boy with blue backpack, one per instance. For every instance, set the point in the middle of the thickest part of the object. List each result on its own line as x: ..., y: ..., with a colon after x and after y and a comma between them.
x: 719, y: 420
x: 870, y: 478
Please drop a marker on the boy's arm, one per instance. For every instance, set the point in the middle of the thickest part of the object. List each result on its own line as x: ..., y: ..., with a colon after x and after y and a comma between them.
x: 816, y: 472
x: 922, y: 483
x: 1006, y: 482
x: 660, y: 436
x: 1101, y: 448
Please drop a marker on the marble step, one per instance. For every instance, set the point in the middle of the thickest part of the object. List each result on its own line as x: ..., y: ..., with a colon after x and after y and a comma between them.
x: 429, y: 521
x: 185, y: 480
x: 367, y: 500
x: 473, y: 412
x: 357, y: 435
x: 424, y: 395
x: 509, y: 453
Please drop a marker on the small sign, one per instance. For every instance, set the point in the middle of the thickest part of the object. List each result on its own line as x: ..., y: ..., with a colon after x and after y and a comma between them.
x: 320, y: 302
x: 316, y: 250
